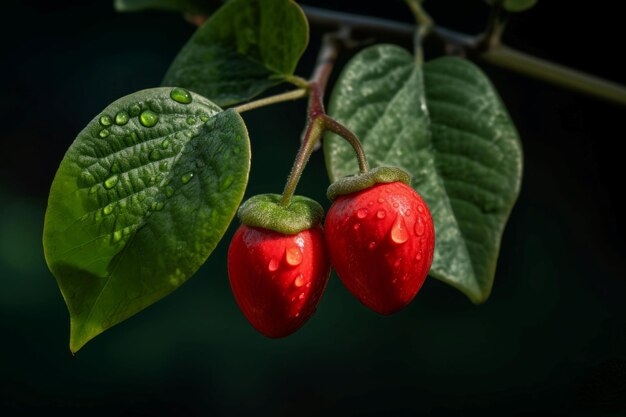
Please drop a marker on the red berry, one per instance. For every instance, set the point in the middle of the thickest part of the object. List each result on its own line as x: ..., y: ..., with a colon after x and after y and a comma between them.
x: 381, y: 243
x: 278, y: 279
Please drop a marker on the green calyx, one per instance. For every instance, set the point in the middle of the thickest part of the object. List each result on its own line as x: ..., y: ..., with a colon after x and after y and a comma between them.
x: 265, y: 210
x: 358, y: 182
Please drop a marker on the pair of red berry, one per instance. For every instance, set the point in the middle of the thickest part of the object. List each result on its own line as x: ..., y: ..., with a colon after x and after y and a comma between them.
x: 378, y: 234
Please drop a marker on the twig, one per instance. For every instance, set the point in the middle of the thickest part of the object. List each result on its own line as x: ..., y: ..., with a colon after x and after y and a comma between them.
x: 278, y: 98
x: 502, y: 56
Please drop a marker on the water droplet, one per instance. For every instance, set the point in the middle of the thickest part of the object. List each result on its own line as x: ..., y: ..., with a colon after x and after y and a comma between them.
x: 308, y: 285
x: 419, y: 226
x: 93, y: 189
x: 397, y: 263
x: 418, y: 257
x: 108, y: 209
x: 356, y: 226
x: 395, y: 205
x: 361, y: 213
x: 381, y: 200
x: 407, y: 213
x: 273, y: 265
x: 105, y: 120
x: 169, y: 191
x: 297, y: 315
x: 204, y: 118
x: 399, y: 233
x: 163, y: 166
x: 293, y: 256
x: 381, y: 214
x: 372, y: 245
x: 191, y: 120
x: 186, y: 178
x: 148, y: 118
x: 134, y: 110
x: 301, y: 296
x: 121, y: 118
x: 420, y: 209
x: 117, y: 235
x: 104, y: 133
x: 165, y: 143
x: 299, y: 281
x: 370, y: 203
x: 111, y: 181
x: 181, y: 95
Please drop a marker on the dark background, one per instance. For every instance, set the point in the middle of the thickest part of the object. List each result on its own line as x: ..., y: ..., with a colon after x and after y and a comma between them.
x: 550, y: 340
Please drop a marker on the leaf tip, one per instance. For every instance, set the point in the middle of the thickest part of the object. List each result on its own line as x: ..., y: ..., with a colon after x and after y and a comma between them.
x: 80, y: 334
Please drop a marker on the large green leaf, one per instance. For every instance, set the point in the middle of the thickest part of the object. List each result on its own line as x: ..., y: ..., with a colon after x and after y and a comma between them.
x: 189, y: 6
x: 246, y: 47
x: 445, y: 124
x: 140, y: 200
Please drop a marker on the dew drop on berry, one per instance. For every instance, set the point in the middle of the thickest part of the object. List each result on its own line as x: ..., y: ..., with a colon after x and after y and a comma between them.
x: 381, y: 214
x: 420, y: 209
x: 407, y: 213
x: 273, y: 265
x: 397, y: 263
x: 418, y: 257
x: 399, y: 234
x: 308, y: 285
x: 361, y: 213
x: 419, y: 226
x: 299, y: 281
x: 301, y: 296
x: 372, y: 245
x: 370, y: 203
x: 293, y: 256
x: 395, y: 205
x: 356, y: 226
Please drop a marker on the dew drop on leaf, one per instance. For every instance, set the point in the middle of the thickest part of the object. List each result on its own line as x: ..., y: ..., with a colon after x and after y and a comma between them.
x: 191, y: 120
x: 105, y: 120
x: 148, y: 118
x: 399, y: 234
x: 134, y: 110
x: 121, y: 118
x: 186, y: 178
x: 111, y: 181
x: 181, y: 95
x: 108, y: 209
x: 155, y: 155
x: 165, y: 143
x: 104, y: 133
x: 117, y: 235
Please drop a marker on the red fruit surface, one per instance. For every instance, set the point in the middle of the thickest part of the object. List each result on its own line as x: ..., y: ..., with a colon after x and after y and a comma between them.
x: 381, y: 242
x: 277, y: 279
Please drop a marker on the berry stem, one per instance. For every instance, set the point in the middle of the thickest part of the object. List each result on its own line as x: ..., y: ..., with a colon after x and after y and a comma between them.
x: 278, y: 98
x: 317, y: 120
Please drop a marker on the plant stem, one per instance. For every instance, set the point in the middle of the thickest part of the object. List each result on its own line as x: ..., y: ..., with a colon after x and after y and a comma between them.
x: 492, y: 38
x: 364, y: 26
x: 278, y: 98
x: 317, y: 119
x: 425, y: 25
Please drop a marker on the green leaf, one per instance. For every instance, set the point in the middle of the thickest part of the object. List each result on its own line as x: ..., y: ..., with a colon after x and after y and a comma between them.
x: 514, y: 6
x: 446, y: 125
x: 140, y: 200
x: 246, y: 47
x: 188, y: 6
